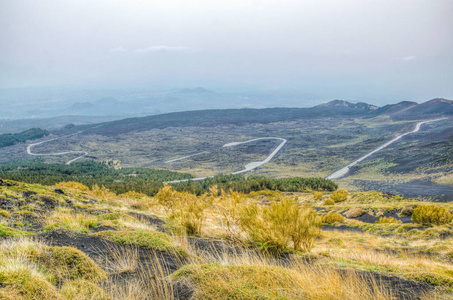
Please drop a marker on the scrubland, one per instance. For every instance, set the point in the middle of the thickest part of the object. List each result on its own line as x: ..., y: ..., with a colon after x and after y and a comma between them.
x: 69, y: 241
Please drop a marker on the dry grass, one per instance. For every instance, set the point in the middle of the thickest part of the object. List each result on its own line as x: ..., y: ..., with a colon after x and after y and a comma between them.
x: 119, y: 260
x: 221, y: 274
x: 377, y: 254
x: 67, y: 219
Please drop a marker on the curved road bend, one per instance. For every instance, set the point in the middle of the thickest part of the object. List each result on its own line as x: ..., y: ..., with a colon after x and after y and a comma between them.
x: 343, y: 171
x: 30, y: 146
x: 249, y: 166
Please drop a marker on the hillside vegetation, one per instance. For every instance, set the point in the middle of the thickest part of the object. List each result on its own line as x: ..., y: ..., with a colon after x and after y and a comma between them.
x: 69, y: 241
x: 149, y: 181
x: 10, y: 139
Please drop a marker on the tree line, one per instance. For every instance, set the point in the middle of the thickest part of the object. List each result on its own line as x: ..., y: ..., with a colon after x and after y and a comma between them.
x: 149, y: 181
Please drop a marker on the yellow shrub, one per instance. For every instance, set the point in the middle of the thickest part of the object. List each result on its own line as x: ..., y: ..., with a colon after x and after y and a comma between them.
x: 332, y: 217
x: 275, y: 226
x: 317, y: 195
x: 185, y: 208
x: 102, y: 192
x: 340, y: 195
x: 430, y: 214
x: 329, y: 202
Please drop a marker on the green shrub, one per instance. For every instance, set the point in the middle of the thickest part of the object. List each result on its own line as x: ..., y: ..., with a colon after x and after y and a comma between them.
x: 4, y: 213
x: 340, y: 195
x: 332, y: 217
x: 388, y: 220
x: 430, y: 214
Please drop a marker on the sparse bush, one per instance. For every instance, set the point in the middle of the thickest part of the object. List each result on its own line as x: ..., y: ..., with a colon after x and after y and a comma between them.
x: 228, y: 205
x: 388, y: 220
x: 339, y: 196
x: 275, y: 226
x: 102, y: 192
x: 332, y: 217
x: 317, y: 195
x: 329, y: 202
x: 185, y: 208
x: 430, y: 214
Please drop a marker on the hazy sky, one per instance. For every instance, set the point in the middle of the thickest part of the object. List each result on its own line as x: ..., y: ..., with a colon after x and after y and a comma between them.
x: 379, y: 51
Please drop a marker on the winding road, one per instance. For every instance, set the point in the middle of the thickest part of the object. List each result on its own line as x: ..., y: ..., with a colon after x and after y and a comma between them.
x: 248, y: 167
x: 30, y: 146
x: 343, y: 171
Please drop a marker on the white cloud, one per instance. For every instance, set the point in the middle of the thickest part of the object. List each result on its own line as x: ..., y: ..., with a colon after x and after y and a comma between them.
x: 409, y: 58
x: 118, y: 49
x: 163, y: 48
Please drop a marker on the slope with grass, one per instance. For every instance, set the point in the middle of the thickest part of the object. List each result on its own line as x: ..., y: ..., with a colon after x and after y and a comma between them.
x: 132, y: 246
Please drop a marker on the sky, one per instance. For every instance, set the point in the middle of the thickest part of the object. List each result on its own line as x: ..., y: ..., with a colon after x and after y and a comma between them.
x: 377, y: 51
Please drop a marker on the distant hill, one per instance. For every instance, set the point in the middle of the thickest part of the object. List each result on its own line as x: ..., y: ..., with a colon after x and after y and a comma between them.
x: 341, y: 106
x: 338, y: 108
x: 239, y: 117
x: 434, y: 108
x: 391, y: 109
x: 31, y: 134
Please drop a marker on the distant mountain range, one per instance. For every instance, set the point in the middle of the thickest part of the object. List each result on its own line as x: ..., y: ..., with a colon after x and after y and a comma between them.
x: 334, y: 109
x: 411, y: 110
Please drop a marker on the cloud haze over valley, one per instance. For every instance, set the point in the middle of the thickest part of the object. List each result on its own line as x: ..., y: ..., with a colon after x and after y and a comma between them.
x: 379, y: 52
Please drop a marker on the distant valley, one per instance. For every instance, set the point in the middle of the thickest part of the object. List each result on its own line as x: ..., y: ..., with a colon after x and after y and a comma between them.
x: 321, y: 139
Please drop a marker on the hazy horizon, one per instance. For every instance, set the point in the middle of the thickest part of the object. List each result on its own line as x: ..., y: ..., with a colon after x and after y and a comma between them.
x: 379, y: 52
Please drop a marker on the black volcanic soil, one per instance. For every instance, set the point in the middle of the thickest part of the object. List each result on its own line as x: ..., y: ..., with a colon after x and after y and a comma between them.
x: 412, y: 189
x: 97, y: 248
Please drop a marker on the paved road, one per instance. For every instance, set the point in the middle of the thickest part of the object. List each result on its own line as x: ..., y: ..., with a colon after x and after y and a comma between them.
x: 343, y: 171
x: 30, y: 146
x: 249, y: 166
x: 184, y: 157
